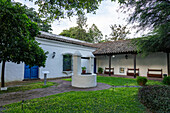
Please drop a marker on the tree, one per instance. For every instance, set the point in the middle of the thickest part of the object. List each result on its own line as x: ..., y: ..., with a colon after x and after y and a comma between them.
x: 81, y: 21
x: 118, y: 32
x: 95, y: 34
x: 153, y: 14
x: 155, y: 41
x: 33, y: 15
x: 79, y: 31
x: 56, y: 9
x: 17, y: 37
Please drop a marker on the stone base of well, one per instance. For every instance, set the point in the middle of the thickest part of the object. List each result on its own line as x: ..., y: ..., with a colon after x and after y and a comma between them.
x: 84, y: 81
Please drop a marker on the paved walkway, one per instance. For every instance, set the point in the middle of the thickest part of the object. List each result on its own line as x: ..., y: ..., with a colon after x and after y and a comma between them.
x: 64, y: 86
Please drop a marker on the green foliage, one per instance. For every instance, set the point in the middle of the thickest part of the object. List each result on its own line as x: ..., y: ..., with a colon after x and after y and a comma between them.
x: 33, y: 15
x: 93, y: 35
x: 29, y: 86
x: 141, y: 80
x: 153, y: 14
x: 146, y: 12
x: 83, y: 68
x: 158, y: 40
x: 100, y: 70
x: 166, y: 80
x: 117, y: 100
x: 81, y: 21
x: 118, y: 32
x: 155, y: 98
x: 17, y: 37
x: 56, y: 9
x: 17, y: 42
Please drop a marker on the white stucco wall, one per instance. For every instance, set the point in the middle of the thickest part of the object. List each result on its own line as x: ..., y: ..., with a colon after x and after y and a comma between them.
x: 13, y: 71
x: 152, y: 61
x: 55, y: 65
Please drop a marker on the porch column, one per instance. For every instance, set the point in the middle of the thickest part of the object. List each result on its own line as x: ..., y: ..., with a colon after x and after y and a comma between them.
x: 168, y: 68
x: 110, y: 56
x: 134, y: 65
x: 77, y: 63
x: 91, y: 64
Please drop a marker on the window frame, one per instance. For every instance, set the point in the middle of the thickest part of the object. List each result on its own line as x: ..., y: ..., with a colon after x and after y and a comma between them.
x: 71, y: 64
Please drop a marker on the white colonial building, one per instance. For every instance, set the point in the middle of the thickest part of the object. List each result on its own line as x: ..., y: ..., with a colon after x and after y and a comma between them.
x: 59, y: 61
x: 122, y: 57
x: 118, y: 55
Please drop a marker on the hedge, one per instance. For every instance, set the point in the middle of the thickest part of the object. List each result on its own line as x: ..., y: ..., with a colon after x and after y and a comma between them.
x: 155, y: 98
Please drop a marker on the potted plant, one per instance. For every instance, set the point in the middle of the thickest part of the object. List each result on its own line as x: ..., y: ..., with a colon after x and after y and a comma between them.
x: 100, y: 70
x: 83, y: 70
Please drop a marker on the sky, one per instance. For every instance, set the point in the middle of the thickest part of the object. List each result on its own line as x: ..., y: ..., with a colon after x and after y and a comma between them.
x: 105, y: 16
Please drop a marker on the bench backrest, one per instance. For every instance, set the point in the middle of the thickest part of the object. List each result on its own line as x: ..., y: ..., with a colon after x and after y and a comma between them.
x: 108, y: 69
x: 131, y: 69
x: 155, y: 70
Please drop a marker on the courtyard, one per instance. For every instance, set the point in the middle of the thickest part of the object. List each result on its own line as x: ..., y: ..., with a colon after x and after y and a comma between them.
x: 112, y: 94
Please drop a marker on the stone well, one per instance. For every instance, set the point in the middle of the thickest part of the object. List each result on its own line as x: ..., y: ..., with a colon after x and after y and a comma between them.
x: 79, y: 80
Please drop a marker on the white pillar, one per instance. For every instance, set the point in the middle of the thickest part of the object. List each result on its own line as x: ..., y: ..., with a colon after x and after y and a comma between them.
x: 91, y: 64
x: 77, y: 63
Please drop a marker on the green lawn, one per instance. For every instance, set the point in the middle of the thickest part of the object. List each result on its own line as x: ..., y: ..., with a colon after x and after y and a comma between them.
x: 113, y: 100
x: 28, y: 86
x: 117, y: 81
x: 117, y: 100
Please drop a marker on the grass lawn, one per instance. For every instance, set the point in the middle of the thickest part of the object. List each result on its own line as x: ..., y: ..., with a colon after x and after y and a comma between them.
x: 118, y: 81
x: 113, y: 100
x: 28, y: 86
x: 117, y: 100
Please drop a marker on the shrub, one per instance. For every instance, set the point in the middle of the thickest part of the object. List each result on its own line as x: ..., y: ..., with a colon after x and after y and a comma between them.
x: 100, y: 70
x: 155, y: 98
x: 166, y: 80
x: 141, y: 80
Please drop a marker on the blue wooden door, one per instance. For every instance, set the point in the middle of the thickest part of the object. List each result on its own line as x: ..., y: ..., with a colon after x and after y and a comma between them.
x: 31, y: 73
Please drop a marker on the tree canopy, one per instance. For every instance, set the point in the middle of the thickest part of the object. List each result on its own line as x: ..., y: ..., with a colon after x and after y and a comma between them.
x: 56, y: 9
x: 153, y: 14
x: 17, y: 37
x: 33, y: 16
x: 118, y: 32
x: 93, y: 35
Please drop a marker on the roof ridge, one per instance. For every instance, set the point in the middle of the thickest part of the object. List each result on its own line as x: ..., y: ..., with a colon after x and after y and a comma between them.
x: 52, y: 37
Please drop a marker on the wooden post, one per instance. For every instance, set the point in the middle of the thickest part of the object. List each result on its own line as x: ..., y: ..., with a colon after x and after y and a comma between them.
x: 110, y: 56
x: 168, y: 68
x: 134, y: 65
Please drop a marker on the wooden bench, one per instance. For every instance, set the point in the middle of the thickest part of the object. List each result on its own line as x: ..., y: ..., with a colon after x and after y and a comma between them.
x: 151, y: 73
x: 130, y: 72
x: 106, y: 71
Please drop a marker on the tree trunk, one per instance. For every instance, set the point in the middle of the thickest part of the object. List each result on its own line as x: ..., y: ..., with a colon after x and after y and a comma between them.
x: 168, y: 67
x: 3, y: 74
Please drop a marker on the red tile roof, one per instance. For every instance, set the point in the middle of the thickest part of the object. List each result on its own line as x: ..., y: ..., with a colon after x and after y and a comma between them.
x: 115, y: 47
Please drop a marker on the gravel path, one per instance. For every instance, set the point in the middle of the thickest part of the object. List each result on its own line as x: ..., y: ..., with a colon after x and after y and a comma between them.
x: 64, y: 86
